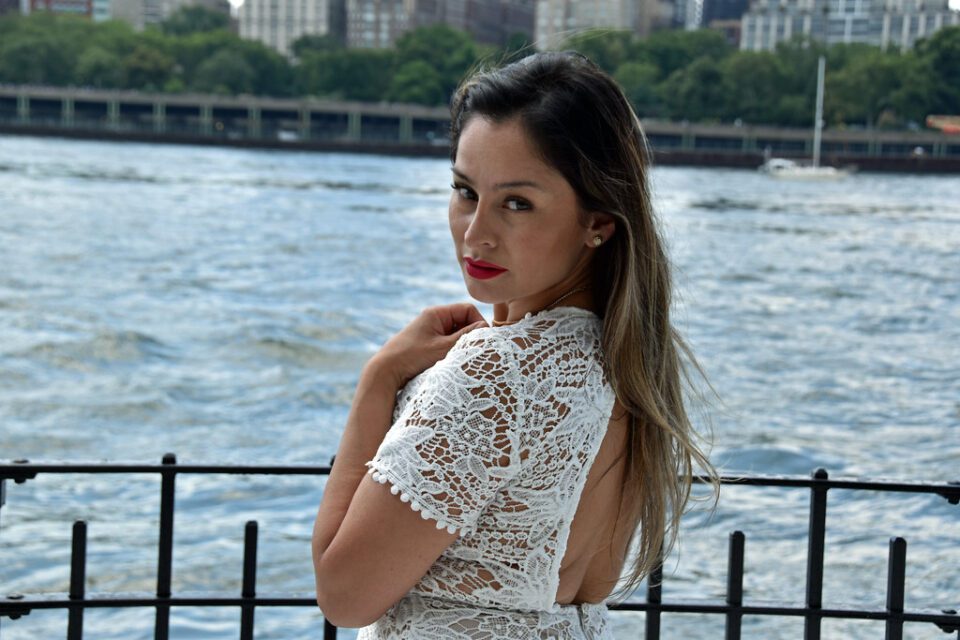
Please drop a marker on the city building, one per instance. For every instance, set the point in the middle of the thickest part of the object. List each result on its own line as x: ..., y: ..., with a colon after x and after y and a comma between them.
x: 378, y: 23
x: 730, y: 30
x: 557, y: 20
x: 138, y: 13
x: 687, y: 14
x: 713, y: 10
x: 71, y: 7
x: 490, y: 21
x: 884, y: 23
x: 277, y: 23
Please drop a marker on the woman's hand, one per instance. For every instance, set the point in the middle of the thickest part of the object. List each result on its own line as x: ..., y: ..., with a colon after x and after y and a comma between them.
x: 425, y: 341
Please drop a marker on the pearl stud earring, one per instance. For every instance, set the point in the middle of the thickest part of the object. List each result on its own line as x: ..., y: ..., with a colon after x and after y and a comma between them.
x: 597, y: 241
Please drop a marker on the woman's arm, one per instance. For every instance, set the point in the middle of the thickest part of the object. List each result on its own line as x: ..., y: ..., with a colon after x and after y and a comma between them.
x: 385, y: 541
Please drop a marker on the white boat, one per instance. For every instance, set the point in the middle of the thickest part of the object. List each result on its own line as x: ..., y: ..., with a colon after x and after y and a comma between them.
x: 792, y: 170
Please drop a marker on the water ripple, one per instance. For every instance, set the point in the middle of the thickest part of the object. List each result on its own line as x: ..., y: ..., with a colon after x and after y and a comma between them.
x: 220, y: 304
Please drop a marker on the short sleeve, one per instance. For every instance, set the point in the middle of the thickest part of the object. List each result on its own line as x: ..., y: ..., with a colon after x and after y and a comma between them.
x: 454, y: 443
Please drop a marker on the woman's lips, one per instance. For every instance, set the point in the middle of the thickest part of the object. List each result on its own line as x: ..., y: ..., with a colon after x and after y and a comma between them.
x: 482, y: 270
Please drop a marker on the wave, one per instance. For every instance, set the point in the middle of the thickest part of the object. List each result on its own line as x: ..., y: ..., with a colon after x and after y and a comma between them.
x: 106, y: 347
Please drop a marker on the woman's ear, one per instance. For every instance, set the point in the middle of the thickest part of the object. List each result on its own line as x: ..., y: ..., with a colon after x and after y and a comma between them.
x: 600, y: 224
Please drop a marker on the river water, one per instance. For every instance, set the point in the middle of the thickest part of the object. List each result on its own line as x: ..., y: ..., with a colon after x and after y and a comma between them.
x: 219, y: 304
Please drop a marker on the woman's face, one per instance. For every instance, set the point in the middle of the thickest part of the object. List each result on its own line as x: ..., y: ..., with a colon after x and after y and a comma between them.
x: 518, y: 218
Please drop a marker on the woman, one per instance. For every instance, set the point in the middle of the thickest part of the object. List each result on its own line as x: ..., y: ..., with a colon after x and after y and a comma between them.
x: 498, y: 493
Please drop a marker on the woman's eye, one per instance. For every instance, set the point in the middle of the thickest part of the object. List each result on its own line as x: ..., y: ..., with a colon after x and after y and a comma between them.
x: 515, y: 204
x: 464, y: 192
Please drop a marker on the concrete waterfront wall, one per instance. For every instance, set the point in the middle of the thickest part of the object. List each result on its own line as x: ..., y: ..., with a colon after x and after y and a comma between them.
x: 312, y: 124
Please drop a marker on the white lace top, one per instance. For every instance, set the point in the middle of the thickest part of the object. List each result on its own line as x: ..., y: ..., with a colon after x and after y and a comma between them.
x: 495, y: 441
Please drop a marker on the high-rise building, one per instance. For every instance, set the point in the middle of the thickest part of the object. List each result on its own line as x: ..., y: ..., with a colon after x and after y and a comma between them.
x: 884, y: 23
x: 557, y: 20
x: 277, y: 23
x: 491, y: 21
x: 96, y: 10
x: 101, y: 10
x: 71, y: 7
x: 141, y: 13
x: 378, y: 23
x: 722, y: 10
x: 518, y: 17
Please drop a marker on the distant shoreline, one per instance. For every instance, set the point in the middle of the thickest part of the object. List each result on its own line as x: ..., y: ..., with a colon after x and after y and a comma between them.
x: 749, y: 161
x: 253, y: 122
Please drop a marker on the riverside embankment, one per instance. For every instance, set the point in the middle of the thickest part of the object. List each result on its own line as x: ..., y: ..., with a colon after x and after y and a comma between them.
x: 411, y: 130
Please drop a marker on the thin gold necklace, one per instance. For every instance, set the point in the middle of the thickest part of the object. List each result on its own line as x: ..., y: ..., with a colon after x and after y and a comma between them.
x: 529, y: 314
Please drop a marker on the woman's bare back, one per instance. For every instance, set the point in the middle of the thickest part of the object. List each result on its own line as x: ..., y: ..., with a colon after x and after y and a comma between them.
x: 596, y: 548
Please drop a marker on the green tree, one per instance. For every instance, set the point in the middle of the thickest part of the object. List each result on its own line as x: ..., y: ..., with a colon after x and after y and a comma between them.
x: 863, y: 89
x: 194, y: 19
x: 272, y: 73
x: 915, y: 98
x: 317, y: 43
x: 353, y: 74
x: 941, y: 54
x: 416, y: 82
x: 99, y: 68
x: 115, y: 36
x: 34, y: 59
x: 671, y: 51
x: 608, y: 48
x: 147, y: 69
x: 638, y: 81
x: 753, y: 85
x: 693, y: 93
x: 224, y: 73
x: 450, y: 52
x: 190, y: 51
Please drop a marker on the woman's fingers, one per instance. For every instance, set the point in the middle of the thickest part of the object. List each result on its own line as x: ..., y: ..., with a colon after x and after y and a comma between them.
x: 454, y: 317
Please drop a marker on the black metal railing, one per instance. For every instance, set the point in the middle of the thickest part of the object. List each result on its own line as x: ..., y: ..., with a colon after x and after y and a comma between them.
x: 733, y: 607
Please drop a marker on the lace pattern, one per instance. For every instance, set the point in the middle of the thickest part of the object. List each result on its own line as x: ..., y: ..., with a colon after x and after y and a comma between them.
x: 420, y: 618
x: 495, y: 441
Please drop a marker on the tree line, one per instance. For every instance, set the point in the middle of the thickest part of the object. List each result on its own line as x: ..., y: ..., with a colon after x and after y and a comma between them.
x: 679, y: 75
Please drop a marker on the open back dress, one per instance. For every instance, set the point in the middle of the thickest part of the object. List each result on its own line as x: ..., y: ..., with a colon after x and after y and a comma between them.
x: 495, y: 441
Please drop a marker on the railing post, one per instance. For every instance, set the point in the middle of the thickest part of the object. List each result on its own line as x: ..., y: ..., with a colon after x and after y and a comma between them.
x: 815, y: 546
x: 353, y: 125
x: 655, y: 598
x: 249, y: 589
x: 3, y: 493
x: 304, y: 122
x: 78, y: 576
x: 165, y: 546
x: 735, y: 585
x: 896, y: 576
x: 329, y: 631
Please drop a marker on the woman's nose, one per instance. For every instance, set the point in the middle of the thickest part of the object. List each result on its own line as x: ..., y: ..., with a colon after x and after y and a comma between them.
x: 480, y: 231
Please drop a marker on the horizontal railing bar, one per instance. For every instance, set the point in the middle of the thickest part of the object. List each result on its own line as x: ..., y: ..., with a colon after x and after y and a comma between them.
x: 128, y: 600
x: 943, y: 488
x: 931, y: 615
x: 13, y: 470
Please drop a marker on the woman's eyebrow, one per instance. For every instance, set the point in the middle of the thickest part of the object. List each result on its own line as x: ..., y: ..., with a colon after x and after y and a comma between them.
x: 502, y: 185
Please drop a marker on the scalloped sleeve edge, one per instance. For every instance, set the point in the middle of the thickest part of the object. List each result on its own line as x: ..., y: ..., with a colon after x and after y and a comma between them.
x: 408, y: 495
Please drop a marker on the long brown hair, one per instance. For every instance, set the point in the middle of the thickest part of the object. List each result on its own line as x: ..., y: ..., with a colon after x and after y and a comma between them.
x: 583, y: 126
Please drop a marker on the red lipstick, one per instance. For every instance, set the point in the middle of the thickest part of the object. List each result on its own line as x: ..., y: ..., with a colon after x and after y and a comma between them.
x: 482, y: 270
